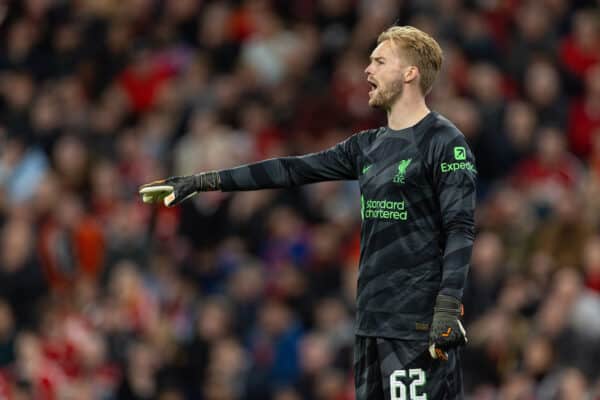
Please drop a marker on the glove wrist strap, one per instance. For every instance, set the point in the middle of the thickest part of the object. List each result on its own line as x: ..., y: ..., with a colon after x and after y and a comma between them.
x: 449, y: 304
x: 207, y: 181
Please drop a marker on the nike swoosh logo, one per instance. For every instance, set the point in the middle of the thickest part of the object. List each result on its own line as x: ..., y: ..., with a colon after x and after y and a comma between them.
x: 365, y: 169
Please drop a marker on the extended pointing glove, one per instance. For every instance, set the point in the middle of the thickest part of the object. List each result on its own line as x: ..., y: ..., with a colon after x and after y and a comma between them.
x: 446, y: 331
x: 174, y: 190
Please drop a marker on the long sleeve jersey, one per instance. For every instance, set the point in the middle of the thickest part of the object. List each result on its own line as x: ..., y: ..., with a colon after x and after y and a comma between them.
x: 417, y: 190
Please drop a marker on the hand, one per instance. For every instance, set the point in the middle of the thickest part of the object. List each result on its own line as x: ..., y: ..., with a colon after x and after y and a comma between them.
x: 446, y: 331
x: 170, y: 191
x: 174, y: 190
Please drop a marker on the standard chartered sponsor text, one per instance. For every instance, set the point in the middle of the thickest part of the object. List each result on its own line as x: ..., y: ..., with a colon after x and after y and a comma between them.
x: 385, y: 209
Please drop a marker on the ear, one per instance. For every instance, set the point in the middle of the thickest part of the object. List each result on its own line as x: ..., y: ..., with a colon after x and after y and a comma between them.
x: 411, y: 73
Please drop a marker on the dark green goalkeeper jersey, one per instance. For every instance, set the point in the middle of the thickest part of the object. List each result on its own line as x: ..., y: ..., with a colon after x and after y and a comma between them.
x: 417, y: 203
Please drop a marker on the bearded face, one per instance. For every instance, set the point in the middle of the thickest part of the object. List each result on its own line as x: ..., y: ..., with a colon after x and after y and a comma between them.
x: 385, y: 75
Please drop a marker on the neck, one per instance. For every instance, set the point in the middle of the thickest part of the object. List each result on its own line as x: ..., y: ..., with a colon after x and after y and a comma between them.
x: 407, y: 111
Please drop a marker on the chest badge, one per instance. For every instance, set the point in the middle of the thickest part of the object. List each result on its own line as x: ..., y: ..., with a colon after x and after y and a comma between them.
x: 402, y: 167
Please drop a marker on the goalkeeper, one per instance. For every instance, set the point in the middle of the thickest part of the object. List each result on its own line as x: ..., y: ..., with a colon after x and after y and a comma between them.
x: 417, y: 184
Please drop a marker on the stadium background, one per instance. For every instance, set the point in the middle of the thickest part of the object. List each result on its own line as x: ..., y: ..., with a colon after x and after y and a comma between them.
x: 250, y: 295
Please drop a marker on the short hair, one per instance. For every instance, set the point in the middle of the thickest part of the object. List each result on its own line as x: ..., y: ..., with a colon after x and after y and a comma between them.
x: 420, y: 48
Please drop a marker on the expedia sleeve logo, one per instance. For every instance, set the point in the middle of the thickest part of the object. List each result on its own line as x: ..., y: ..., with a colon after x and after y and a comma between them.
x: 460, y: 155
x: 456, y: 166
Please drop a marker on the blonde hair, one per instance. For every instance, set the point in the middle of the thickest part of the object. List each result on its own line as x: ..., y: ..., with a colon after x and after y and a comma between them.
x: 421, y: 49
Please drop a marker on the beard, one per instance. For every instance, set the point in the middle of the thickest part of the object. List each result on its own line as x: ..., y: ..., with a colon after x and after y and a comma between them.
x: 384, y: 97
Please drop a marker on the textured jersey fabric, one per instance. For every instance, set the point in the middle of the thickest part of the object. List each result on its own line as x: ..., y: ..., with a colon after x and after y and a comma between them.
x: 417, y: 204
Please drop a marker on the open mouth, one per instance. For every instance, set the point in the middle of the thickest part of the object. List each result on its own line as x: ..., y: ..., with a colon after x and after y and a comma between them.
x: 373, y: 86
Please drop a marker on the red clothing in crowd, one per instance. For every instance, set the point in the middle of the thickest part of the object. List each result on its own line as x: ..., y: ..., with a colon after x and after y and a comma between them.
x: 85, y: 258
x: 575, y: 59
x: 532, y: 172
x: 142, y: 89
x: 593, y: 282
x: 582, y: 125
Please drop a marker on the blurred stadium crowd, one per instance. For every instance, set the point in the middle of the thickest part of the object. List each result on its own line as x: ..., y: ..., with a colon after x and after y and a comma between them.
x: 251, y: 295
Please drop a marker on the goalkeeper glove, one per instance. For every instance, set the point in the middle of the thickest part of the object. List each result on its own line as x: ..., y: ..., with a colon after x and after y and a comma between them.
x: 174, y: 190
x: 446, y: 329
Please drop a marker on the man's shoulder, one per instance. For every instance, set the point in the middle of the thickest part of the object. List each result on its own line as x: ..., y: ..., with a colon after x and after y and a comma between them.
x: 371, y: 132
x: 367, y: 136
x: 442, y: 130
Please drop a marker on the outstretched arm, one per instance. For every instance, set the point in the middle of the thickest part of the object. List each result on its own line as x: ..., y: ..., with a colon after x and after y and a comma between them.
x: 335, y: 163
